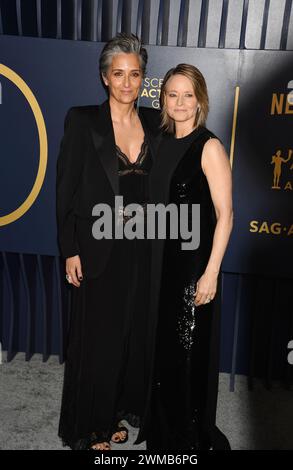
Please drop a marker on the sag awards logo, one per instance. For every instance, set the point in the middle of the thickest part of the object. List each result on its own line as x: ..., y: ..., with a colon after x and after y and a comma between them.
x: 17, y: 81
x: 282, y: 166
x: 282, y: 104
x: 278, y: 161
x: 152, y: 90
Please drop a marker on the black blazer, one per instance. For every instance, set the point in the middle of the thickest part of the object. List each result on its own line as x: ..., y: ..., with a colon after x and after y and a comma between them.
x: 87, y: 174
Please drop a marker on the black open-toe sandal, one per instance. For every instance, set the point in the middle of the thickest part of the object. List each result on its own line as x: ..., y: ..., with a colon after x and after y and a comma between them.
x: 120, y: 428
x: 97, y: 440
x: 104, y: 443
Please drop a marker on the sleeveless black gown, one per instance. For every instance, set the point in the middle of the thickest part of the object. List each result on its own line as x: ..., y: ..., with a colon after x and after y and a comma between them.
x: 184, y: 396
x: 105, y: 370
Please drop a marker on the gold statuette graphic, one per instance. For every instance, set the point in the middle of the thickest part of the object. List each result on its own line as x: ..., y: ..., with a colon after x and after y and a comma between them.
x: 277, y: 161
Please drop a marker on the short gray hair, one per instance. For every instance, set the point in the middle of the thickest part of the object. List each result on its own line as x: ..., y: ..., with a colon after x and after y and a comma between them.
x: 122, y: 43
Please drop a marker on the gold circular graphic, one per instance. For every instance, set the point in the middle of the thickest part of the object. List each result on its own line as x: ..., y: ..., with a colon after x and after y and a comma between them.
x: 28, y: 94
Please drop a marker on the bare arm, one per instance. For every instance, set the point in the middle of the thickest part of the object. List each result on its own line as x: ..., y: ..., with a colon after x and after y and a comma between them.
x: 216, y: 167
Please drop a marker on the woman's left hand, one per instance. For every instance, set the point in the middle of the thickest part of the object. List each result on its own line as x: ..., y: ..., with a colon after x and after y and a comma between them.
x: 206, y: 288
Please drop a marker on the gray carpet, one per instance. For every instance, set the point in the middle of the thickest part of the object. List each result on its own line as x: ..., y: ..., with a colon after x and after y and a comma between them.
x: 30, y: 394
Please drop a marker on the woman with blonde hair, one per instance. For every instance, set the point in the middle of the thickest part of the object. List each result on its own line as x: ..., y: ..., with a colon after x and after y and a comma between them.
x: 192, y: 168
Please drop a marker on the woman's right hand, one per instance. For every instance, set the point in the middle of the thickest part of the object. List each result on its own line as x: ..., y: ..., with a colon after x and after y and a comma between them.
x: 73, y: 269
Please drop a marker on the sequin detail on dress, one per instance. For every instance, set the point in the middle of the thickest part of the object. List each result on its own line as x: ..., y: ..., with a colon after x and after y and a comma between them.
x: 186, y: 322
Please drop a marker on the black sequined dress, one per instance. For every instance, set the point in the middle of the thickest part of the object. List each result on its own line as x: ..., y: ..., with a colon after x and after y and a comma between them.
x: 105, y: 371
x: 184, y: 397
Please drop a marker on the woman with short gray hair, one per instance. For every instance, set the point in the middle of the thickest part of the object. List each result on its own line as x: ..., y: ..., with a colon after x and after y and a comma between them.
x: 123, y: 44
x: 107, y: 151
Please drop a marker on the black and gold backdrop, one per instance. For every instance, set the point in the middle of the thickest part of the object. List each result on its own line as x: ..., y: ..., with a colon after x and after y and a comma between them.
x: 244, y: 50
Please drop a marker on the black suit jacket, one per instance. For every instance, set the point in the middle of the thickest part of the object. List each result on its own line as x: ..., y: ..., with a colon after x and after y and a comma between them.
x: 87, y: 174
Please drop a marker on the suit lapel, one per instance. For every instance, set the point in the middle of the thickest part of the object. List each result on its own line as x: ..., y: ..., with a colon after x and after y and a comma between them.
x: 152, y: 138
x: 104, y: 143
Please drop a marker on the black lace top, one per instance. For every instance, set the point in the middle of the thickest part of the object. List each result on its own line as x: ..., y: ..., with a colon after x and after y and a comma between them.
x: 133, y: 176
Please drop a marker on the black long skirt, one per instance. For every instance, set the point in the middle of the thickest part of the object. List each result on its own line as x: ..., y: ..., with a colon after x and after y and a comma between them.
x: 185, y: 388
x: 106, y: 371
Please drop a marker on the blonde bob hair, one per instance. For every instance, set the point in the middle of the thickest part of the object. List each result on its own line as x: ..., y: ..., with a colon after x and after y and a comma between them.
x: 200, y: 90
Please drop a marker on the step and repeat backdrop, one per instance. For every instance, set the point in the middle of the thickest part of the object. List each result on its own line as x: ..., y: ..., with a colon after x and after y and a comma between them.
x: 251, y: 111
